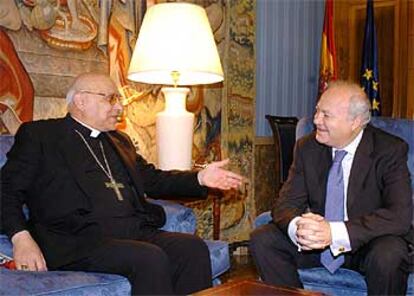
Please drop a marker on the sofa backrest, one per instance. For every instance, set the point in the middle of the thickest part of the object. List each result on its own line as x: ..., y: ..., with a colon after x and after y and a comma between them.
x: 6, y: 141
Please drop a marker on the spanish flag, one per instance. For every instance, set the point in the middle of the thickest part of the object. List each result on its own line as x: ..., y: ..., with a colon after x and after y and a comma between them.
x: 369, y: 68
x: 327, y: 69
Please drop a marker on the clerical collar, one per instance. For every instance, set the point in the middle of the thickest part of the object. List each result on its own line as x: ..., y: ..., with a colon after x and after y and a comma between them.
x: 94, y: 132
x: 351, y: 147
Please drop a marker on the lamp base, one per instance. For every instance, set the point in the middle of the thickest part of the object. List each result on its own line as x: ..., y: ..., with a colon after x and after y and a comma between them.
x: 174, y: 131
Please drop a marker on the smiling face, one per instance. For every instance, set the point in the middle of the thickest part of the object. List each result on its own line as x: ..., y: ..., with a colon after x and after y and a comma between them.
x: 335, y: 127
x: 94, y: 104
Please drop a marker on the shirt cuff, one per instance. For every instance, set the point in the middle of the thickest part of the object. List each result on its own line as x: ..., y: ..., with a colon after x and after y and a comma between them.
x: 340, y: 238
x: 199, y: 179
x: 292, y: 228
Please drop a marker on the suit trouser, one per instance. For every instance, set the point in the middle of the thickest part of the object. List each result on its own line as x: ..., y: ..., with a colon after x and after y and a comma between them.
x: 159, y: 263
x: 383, y: 261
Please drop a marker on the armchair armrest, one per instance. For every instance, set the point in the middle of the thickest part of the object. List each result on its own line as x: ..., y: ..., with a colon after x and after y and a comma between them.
x: 179, y: 218
x: 6, y: 247
x: 263, y: 218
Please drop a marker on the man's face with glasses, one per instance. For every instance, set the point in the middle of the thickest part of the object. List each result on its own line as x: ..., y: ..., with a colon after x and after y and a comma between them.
x: 101, y: 107
x: 112, y: 99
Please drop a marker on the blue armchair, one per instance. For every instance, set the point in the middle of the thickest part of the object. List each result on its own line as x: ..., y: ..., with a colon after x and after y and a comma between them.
x: 348, y: 282
x: 13, y: 282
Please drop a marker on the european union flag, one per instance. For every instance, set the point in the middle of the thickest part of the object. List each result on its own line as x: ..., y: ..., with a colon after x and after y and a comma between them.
x: 369, y: 69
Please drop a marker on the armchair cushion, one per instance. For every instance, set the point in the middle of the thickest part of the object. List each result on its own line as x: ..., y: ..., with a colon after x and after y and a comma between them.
x: 343, y: 282
x: 62, y: 283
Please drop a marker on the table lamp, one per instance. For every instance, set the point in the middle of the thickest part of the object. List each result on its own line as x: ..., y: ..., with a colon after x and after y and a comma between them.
x: 175, y: 47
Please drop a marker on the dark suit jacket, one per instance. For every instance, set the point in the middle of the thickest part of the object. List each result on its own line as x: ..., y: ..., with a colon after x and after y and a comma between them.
x: 46, y: 170
x: 379, y: 198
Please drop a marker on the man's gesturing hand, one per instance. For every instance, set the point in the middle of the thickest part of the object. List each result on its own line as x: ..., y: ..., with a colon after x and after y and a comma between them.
x: 215, y: 176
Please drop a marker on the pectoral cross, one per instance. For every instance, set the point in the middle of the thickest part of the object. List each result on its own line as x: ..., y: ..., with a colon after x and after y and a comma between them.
x: 115, y: 187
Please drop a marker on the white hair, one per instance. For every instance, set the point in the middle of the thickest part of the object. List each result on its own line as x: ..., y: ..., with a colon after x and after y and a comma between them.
x: 359, y: 104
x: 69, y: 96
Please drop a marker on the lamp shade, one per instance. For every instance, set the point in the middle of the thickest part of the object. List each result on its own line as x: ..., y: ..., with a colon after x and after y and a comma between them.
x: 175, y: 38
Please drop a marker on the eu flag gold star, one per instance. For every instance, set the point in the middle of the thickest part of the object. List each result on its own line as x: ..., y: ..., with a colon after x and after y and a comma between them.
x: 375, y: 105
x: 374, y: 85
x: 367, y: 74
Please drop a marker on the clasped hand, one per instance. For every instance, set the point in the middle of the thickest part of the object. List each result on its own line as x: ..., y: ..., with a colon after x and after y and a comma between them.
x: 313, y: 232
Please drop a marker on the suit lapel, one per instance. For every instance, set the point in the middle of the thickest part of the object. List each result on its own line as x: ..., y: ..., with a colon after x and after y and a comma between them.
x: 322, y: 162
x: 360, y: 166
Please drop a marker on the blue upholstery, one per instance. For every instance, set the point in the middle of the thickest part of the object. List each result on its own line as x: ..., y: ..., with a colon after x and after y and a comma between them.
x: 343, y: 282
x: 6, y: 142
x: 219, y: 256
x: 6, y: 246
x: 179, y: 219
x: 15, y: 282
x: 348, y: 282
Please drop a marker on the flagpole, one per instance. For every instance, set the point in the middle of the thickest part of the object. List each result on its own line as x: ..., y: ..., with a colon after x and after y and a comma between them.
x: 369, y: 68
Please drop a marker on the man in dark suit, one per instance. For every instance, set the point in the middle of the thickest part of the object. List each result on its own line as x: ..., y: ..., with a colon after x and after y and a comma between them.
x: 375, y: 206
x: 85, y: 188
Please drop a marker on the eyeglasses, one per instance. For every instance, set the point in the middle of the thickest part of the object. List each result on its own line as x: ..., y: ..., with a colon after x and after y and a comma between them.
x: 112, y: 99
